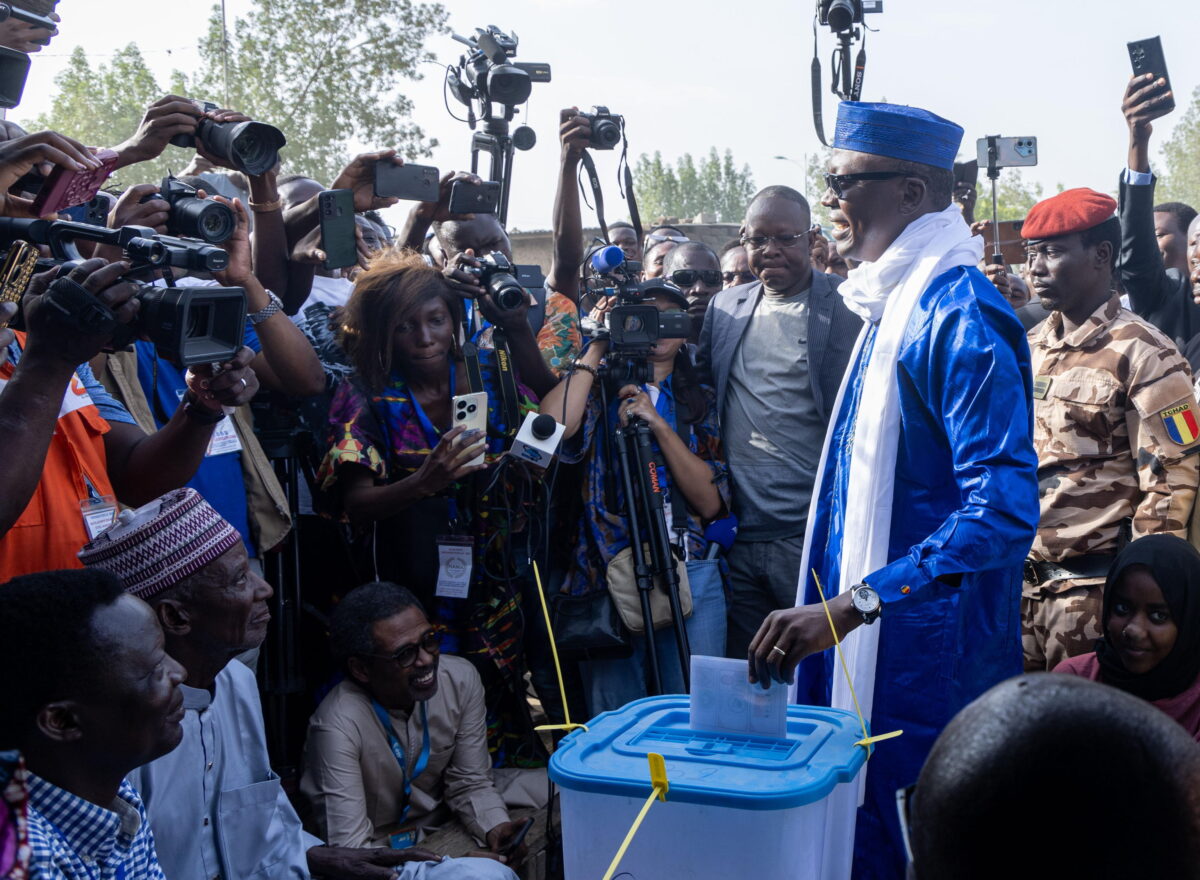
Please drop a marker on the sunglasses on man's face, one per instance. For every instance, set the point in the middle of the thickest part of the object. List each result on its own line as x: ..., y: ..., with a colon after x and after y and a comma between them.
x: 839, y: 183
x: 685, y: 278
x: 737, y: 277
x: 406, y: 655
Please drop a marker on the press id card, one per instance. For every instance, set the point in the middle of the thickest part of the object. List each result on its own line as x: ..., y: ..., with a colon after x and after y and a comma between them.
x: 454, y: 566
x: 98, y: 514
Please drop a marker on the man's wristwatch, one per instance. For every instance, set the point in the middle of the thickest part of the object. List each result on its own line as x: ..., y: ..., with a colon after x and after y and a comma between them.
x: 275, y: 305
x: 866, y: 602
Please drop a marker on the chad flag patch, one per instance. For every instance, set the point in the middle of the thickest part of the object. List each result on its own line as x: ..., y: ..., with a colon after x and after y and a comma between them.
x: 1181, y: 425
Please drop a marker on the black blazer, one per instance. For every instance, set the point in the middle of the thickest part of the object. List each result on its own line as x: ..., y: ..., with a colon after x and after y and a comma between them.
x: 1162, y: 296
x: 832, y: 331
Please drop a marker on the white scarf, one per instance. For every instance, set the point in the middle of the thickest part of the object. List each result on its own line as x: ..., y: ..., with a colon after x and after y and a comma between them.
x: 886, y: 291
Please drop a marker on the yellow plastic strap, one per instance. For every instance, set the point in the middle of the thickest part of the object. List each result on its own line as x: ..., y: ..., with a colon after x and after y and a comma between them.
x: 867, y: 741
x: 562, y: 691
x: 658, y: 776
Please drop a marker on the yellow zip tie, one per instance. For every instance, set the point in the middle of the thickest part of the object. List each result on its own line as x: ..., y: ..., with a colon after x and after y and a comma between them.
x: 866, y: 741
x: 557, y: 666
x: 658, y: 776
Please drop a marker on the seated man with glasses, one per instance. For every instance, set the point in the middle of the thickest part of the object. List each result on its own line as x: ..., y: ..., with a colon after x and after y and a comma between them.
x: 693, y: 267
x: 399, y: 747
x: 775, y: 351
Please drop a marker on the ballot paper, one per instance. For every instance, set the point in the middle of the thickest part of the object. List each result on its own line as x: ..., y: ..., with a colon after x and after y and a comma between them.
x: 724, y: 701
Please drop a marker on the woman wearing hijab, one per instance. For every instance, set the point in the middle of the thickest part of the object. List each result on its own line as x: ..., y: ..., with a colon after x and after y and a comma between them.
x: 1151, y: 624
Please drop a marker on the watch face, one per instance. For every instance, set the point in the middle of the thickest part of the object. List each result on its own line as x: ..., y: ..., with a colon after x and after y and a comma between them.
x: 865, y: 600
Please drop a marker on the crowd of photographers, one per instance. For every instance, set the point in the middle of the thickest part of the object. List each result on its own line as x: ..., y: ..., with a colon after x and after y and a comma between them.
x: 402, y: 469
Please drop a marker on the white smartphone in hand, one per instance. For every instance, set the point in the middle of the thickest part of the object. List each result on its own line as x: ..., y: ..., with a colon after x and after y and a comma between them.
x: 470, y: 411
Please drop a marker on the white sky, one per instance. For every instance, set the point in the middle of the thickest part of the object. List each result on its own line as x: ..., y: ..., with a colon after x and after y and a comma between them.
x: 688, y: 76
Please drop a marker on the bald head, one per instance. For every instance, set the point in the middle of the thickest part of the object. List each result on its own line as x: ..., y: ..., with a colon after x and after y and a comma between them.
x: 1114, y: 779
x: 690, y: 255
x: 483, y: 234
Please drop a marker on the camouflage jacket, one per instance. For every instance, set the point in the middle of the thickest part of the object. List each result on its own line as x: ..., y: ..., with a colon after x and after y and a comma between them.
x: 1115, y: 417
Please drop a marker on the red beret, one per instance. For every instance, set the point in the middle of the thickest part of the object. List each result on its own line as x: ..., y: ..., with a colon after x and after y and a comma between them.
x: 1072, y: 210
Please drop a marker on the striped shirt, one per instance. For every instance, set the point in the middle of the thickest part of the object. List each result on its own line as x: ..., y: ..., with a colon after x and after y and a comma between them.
x: 74, y: 839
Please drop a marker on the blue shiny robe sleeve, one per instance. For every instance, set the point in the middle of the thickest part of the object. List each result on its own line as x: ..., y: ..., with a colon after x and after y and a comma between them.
x: 965, y: 512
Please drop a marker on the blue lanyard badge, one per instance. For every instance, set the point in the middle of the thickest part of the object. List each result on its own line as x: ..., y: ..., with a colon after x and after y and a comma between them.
x: 398, y: 750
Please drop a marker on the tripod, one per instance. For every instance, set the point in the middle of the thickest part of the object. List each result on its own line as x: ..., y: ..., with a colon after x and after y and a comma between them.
x: 496, y: 141
x: 650, y: 542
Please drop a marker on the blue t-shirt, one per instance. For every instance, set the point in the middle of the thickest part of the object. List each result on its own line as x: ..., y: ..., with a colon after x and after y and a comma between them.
x: 219, y: 478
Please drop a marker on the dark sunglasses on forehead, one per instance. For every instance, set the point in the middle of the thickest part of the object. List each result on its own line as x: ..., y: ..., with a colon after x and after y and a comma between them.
x: 684, y: 278
x: 406, y: 655
x: 653, y: 238
x: 839, y: 183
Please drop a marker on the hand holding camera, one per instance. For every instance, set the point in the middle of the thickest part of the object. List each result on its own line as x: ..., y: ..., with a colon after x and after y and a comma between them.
x: 56, y: 324
x: 240, y: 271
x: 574, y: 132
x: 140, y: 206
x: 233, y: 383
x: 168, y: 118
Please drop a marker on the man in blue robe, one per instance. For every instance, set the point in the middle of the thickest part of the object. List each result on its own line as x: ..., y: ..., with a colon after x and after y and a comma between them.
x: 928, y: 501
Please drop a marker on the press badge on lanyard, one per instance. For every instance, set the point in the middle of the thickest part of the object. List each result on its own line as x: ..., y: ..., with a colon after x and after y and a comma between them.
x: 454, y: 566
x: 404, y: 839
x: 98, y: 511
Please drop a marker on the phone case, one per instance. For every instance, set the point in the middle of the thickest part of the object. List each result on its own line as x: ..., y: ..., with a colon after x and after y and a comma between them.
x: 1146, y: 56
x: 336, y: 208
x: 471, y: 410
x: 474, y: 198
x: 65, y: 188
x: 415, y: 183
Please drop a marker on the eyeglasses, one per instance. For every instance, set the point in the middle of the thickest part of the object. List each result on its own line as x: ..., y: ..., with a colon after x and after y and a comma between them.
x: 839, y: 183
x: 737, y: 277
x: 685, y: 278
x: 407, y: 654
x: 758, y: 242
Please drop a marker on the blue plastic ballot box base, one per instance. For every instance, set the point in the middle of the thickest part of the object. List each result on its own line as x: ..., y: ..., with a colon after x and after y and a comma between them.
x: 740, y: 805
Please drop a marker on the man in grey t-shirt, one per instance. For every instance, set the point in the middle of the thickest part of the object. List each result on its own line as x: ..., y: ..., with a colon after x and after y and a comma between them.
x: 775, y: 350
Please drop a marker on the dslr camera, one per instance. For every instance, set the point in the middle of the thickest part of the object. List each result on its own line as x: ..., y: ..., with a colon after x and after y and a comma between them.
x: 841, y: 15
x: 606, y: 128
x: 498, y: 278
x: 192, y: 217
x: 251, y: 147
x: 188, y: 325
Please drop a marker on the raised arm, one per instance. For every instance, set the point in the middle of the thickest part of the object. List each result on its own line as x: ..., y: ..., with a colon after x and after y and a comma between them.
x: 574, y: 133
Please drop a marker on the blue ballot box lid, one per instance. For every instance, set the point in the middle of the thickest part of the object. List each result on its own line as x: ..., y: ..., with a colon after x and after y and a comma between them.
x: 741, y: 771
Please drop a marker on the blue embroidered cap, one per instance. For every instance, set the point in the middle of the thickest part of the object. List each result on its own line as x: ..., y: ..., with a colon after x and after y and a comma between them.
x: 907, y: 133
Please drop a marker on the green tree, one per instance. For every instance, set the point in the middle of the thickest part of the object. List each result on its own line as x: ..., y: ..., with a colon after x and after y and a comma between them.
x: 814, y: 180
x: 714, y: 186
x: 1181, y: 158
x: 324, y: 73
x: 102, y: 106
x: 1014, y: 196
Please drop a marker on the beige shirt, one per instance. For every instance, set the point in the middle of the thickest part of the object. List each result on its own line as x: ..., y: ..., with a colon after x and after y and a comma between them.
x: 354, y: 781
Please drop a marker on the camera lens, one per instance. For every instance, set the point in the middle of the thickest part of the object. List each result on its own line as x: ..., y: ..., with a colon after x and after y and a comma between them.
x: 606, y: 134
x: 841, y: 14
x: 507, y: 294
x: 252, y: 147
x: 208, y: 220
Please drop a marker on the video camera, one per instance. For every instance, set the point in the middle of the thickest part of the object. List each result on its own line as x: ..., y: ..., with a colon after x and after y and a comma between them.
x: 634, y: 324
x: 251, y: 147
x: 485, y: 74
x: 188, y: 325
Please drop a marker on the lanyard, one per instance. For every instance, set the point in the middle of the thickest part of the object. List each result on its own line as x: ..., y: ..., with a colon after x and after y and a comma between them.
x: 398, y: 750
x: 432, y: 434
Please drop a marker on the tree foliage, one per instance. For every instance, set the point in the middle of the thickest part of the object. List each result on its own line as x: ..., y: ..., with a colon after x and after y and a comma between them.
x: 1181, y: 158
x: 714, y: 185
x: 1014, y: 196
x: 324, y: 73
x: 102, y: 106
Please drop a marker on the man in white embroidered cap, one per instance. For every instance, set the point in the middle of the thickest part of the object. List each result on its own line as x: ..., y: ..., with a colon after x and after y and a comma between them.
x: 926, y: 499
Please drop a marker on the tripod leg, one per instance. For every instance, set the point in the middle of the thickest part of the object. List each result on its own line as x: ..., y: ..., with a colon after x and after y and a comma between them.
x: 642, y: 574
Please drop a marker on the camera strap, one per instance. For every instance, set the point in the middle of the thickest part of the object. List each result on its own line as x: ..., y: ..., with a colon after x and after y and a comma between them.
x: 818, y: 116
x: 508, y: 383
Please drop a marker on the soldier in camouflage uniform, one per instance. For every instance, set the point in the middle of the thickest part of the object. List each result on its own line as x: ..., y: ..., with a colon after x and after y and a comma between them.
x: 1115, y: 418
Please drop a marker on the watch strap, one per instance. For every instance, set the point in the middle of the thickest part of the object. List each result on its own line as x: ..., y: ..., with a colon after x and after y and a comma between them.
x: 275, y: 305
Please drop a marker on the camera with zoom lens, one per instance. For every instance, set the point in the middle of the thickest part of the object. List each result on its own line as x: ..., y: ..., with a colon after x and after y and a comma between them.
x: 498, y: 277
x: 188, y: 325
x: 606, y: 128
x: 634, y: 324
x: 192, y: 217
x: 251, y: 147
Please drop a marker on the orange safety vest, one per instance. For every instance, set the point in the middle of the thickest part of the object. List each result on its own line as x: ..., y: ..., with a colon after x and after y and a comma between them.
x: 50, y: 531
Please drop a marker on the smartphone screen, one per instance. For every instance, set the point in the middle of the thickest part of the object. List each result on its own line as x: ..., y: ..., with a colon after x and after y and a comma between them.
x: 336, y: 209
